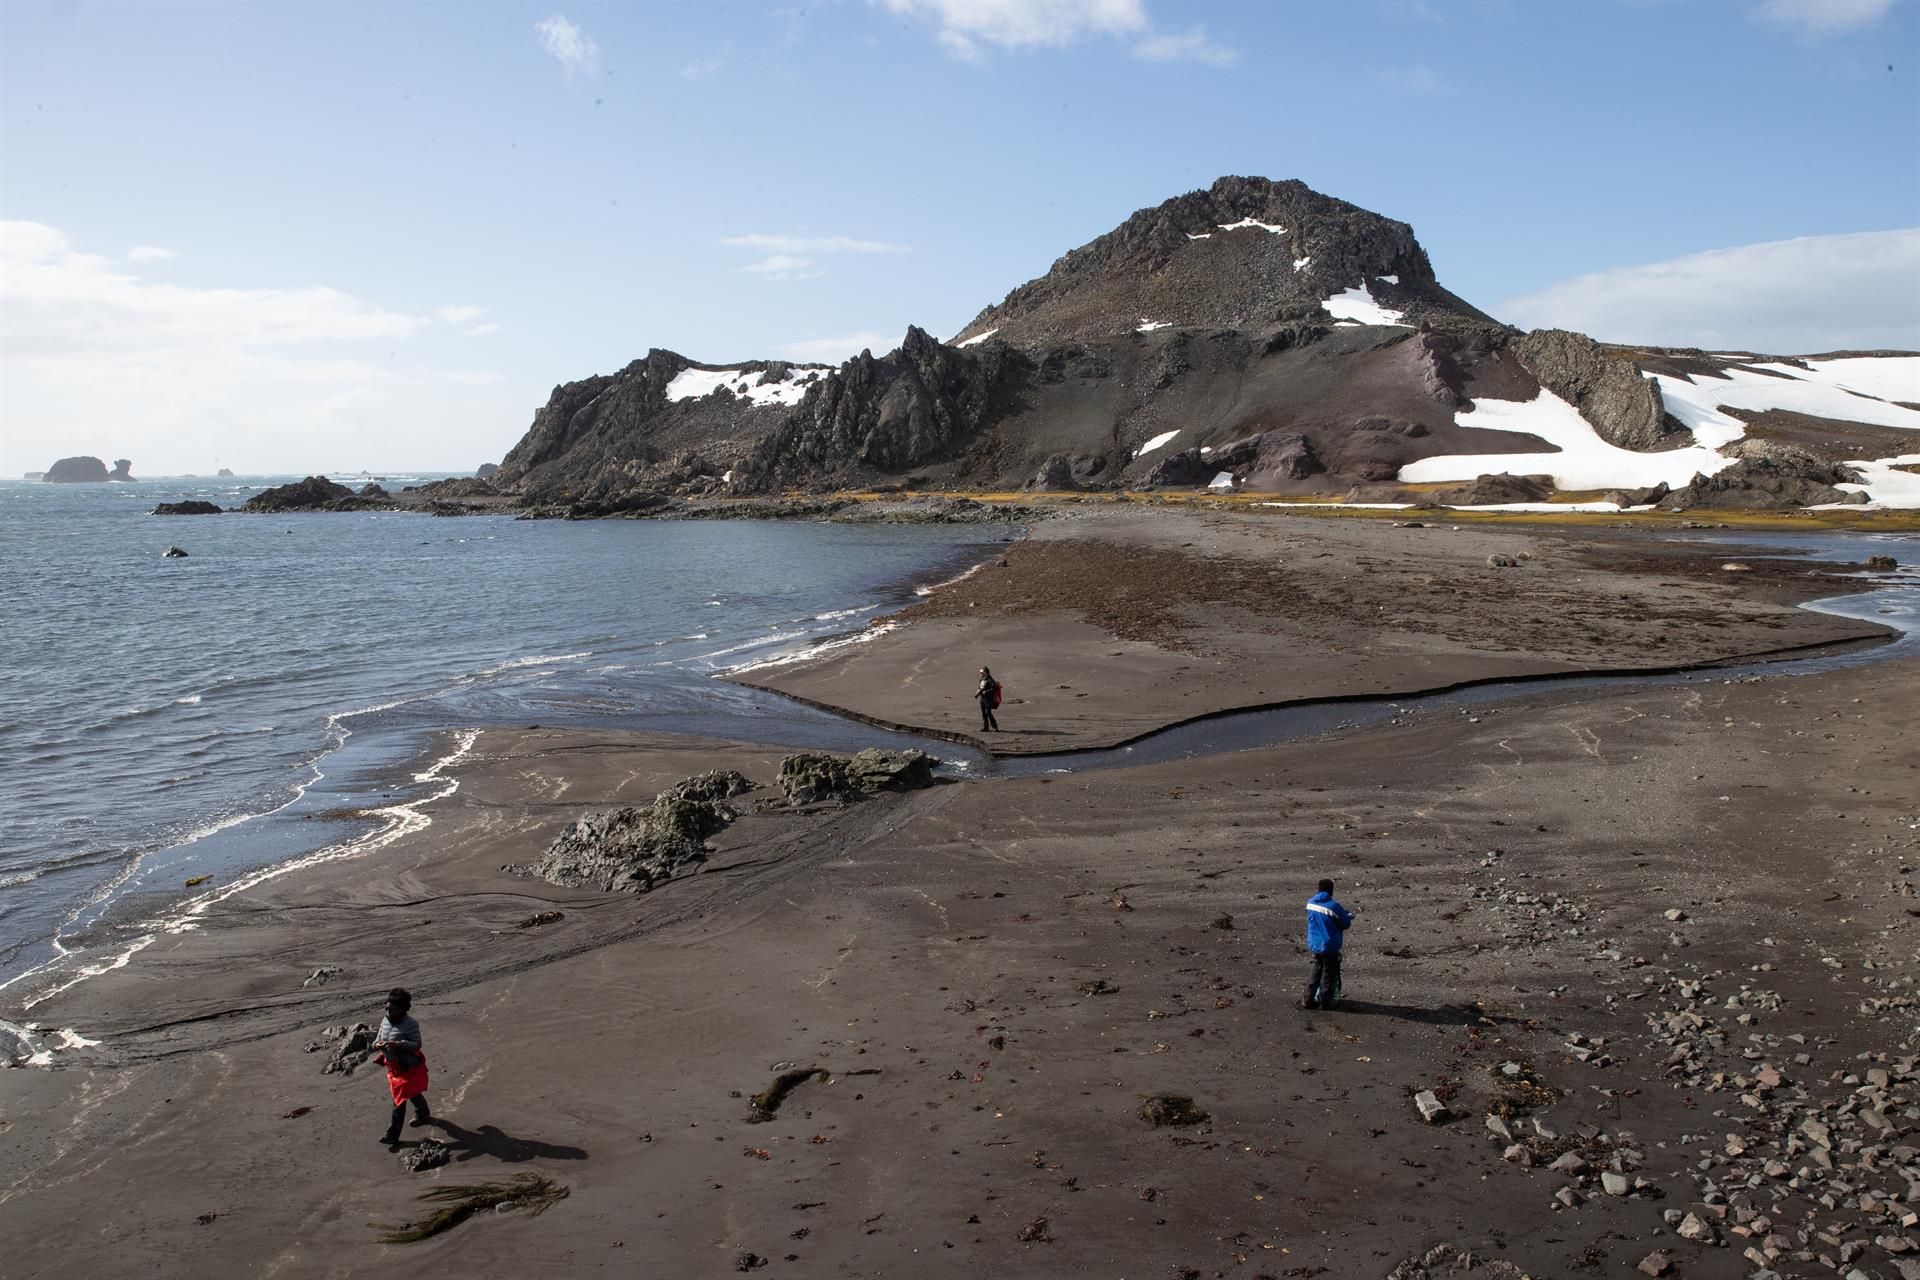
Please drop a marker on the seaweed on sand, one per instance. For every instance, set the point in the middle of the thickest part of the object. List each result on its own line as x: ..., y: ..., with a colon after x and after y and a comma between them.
x: 528, y: 1192
x: 766, y: 1103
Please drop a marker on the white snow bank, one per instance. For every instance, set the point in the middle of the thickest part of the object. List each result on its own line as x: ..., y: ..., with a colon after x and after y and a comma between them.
x: 1156, y: 442
x: 1818, y: 394
x: 1887, y: 377
x: 1357, y: 306
x: 696, y: 384
x: 1204, y: 235
x: 1248, y: 223
x: 1363, y: 506
x: 1392, y: 279
x: 1222, y: 481
x: 1301, y: 264
x: 1883, y: 485
x: 1585, y: 461
x: 978, y: 338
x: 1148, y: 326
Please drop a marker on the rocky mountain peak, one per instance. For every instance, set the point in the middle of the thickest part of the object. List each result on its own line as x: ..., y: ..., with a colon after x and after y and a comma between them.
x: 1245, y: 253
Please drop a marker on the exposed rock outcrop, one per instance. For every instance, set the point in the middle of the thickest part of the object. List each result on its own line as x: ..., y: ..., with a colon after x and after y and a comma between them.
x: 885, y: 414
x: 1259, y: 462
x: 1492, y: 490
x: 629, y: 850
x: 122, y: 469
x: 1767, y: 484
x: 811, y: 777
x: 316, y: 493
x: 486, y: 471
x: 81, y: 470
x: 191, y: 507
x: 1608, y: 390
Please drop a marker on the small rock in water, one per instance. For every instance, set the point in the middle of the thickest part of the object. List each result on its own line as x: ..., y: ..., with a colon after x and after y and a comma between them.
x: 176, y: 553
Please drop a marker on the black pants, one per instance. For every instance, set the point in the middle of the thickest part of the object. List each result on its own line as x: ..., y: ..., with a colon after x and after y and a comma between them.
x: 986, y: 716
x: 1323, y: 988
x: 421, y: 1115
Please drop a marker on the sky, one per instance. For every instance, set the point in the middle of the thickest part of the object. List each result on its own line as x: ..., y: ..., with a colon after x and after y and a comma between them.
x: 301, y: 237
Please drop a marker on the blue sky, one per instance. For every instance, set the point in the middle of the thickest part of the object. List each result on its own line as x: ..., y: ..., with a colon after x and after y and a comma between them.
x: 288, y: 236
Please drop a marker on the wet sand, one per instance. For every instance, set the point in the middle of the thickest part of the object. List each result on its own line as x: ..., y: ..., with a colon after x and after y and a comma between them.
x: 1104, y: 627
x: 995, y: 974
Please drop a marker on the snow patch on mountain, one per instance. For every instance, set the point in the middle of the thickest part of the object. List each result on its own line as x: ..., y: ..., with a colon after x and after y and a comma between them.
x: 1884, y: 485
x: 1585, y: 461
x: 1356, y: 306
x: 1148, y: 326
x: 750, y: 384
x: 1155, y: 443
x: 1247, y: 224
x: 978, y: 338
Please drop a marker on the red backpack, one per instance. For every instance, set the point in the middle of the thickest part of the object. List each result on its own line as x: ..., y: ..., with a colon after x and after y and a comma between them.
x: 996, y: 693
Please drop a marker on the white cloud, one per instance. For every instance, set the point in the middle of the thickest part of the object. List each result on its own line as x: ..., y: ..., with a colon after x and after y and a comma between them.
x: 149, y: 253
x: 1786, y: 297
x: 573, y: 48
x: 784, y: 266
x: 837, y: 349
x: 96, y: 359
x: 699, y: 69
x: 812, y: 244
x: 458, y: 315
x: 1822, y: 17
x: 1192, y: 46
x: 1024, y: 24
x: 482, y: 330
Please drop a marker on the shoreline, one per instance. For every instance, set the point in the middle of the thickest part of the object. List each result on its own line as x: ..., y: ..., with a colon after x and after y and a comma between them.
x: 994, y: 975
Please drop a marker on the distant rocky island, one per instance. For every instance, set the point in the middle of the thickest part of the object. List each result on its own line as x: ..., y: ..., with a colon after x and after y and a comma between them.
x: 86, y: 470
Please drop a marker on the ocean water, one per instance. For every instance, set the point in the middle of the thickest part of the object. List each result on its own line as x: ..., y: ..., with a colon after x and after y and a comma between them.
x: 162, y: 719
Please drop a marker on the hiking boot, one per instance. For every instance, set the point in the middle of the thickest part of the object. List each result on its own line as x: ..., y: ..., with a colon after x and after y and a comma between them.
x: 421, y: 1116
x: 391, y: 1138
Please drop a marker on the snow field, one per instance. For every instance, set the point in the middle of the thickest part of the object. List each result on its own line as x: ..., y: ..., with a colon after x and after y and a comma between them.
x: 1148, y: 326
x: 977, y: 339
x: 1246, y: 224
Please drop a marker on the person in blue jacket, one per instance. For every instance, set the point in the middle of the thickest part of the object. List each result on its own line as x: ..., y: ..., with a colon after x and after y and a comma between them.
x: 1327, y: 924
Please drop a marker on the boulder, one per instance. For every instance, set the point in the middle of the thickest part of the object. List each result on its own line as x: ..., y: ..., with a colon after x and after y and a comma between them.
x: 486, y: 471
x: 1624, y: 408
x: 629, y: 850
x: 1882, y: 564
x: 814, y: 776
x: 175, y: 553
x: 373, y: 490
x: 191, y: 507
x: 1055, y: 473
x: 82, y: 470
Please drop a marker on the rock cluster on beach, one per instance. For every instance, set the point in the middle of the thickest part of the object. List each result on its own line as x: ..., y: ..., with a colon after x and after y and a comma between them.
x: 631, y: 849
x: 814, y: 776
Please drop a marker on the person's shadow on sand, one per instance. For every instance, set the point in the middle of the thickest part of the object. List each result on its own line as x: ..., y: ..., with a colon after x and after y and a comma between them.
x: 1445, y: 1015
x: 471, y: 1144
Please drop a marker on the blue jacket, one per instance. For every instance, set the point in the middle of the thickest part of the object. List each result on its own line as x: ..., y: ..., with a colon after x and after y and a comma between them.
x: 1327, y: 923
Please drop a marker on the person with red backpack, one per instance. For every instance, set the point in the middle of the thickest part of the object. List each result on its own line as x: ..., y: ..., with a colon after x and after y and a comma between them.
x: 989, y: 695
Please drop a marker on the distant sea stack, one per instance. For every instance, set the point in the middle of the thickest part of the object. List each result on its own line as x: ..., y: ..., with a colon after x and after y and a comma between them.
x: 224, y: 474
x: 82, y: 470
x: 122, y: 469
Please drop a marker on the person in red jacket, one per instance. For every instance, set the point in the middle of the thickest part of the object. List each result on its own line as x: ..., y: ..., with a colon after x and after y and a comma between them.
x: 398, y: 1045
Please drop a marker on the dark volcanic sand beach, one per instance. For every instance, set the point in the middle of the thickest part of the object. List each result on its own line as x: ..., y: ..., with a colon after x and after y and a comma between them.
x: 995, y: 974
